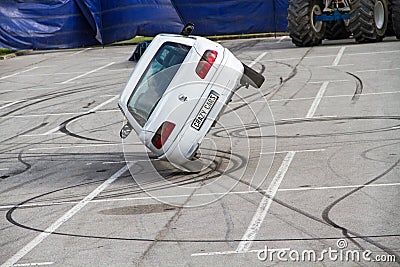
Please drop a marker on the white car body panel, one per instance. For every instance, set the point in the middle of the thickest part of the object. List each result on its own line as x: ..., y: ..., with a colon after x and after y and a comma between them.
x: 222, y: 79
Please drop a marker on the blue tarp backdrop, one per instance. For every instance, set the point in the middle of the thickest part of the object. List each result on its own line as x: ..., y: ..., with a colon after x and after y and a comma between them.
x: 46, y: 24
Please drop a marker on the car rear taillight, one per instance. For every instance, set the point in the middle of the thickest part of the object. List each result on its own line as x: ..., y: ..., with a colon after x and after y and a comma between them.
x: 162, y: 134
x: 206, y: 62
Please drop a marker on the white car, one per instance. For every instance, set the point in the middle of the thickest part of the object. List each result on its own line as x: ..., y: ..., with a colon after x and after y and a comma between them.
x: 176, y: 92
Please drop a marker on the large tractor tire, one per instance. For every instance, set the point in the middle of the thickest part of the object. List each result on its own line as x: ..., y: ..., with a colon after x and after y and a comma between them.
x: 369, y: 20
x: 396, y: 17
x: 302, y: 28
x: 389, y: 30
x: 336, y: 30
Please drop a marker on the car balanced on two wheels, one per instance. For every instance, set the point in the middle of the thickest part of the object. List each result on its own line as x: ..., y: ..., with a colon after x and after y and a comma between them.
x: 311, y: 21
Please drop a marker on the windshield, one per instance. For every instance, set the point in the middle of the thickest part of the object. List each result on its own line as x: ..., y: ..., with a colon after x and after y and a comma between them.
x: 155, y: 80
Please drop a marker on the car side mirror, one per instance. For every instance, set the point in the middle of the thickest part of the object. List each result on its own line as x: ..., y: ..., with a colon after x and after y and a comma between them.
x: 139, y: 51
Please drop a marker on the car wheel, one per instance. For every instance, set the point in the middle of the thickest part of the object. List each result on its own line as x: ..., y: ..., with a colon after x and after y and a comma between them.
x: 303, y: 30
x: 389, y: 30
x: 396, y: 17
x: 369, y: 20
x: 336, y: 30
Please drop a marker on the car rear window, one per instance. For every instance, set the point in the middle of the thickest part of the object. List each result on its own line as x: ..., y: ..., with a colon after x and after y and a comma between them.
x: 155, y: 80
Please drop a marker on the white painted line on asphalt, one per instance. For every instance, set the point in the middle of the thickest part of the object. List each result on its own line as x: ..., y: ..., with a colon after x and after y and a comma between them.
x: 304, y: 118
x: 257, y: 59
x: 341, y: 65
x: 317, y: 100
x: 324, y: 86
x: 46, y: 115
x: 297, y: 58
x: 339, y: 56
x: 216, y: 253
x: 36, y: 135
x: 297, y: 151
x: 336, y: 187
x: 56, y: 129
x: 15, y: 74
x: 10, y: 104
x: 376, y: 70
x: 372, y: 53
x: 33, y: 264
x: 331, y: 81
x: 328, y: 56
x: 103, y: 104
x: 81, y: 146
x: 59, y: 114
x: 113, y: 162
x: 68, y: 215
x: 87, y: 73
x: 22, y: 100
x: 84, y: 50
x: 34, y: 89
x: 331, y: 96
x: 298, y: 189
x: 78, y: 146
x: 50, y: 74
x: 265, y: 204
x: 4, y: 169
x: 281, y: 39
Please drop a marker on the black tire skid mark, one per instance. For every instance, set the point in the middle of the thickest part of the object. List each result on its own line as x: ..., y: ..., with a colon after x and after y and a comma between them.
x: 42, y: 98
x: 25, y: 132
x: 27, y: 165
x: 64, y: 124
x: 63, y: 128
x: 364, y: 154
x: 17, y: 172
x: 223, y: 240
x: 238, y: 132
x: 199, y: 178
x: 9, y: 217
x: 345, y: 180
x: 50, y: 96
x: 236, y: 48
x: 68, y: 157
x: 345, y: 231
x: 101, y: 128
x: 178, y: 178
x: 302, y: 87
x: 325, y: 217
x: 310, y: 216
x: 359, y: 88
x: 272, y: 89
x: 277, y: 87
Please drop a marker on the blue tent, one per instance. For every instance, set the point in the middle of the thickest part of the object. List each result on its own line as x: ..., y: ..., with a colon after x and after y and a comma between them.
x: 47, y: 24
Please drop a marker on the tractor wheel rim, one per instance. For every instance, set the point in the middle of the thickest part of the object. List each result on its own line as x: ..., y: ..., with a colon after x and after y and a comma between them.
x: 379, y: 15
x: 316, y: 11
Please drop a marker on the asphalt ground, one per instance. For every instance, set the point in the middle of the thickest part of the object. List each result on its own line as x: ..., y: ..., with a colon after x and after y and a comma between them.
x: 309, y: 162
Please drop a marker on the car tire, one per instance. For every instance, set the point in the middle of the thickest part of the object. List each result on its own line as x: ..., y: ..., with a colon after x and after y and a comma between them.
x: 302, y: 29
x: 396, y: 17
x: 336, y: 30
x: 369, y: 20
x: 389, y: 30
